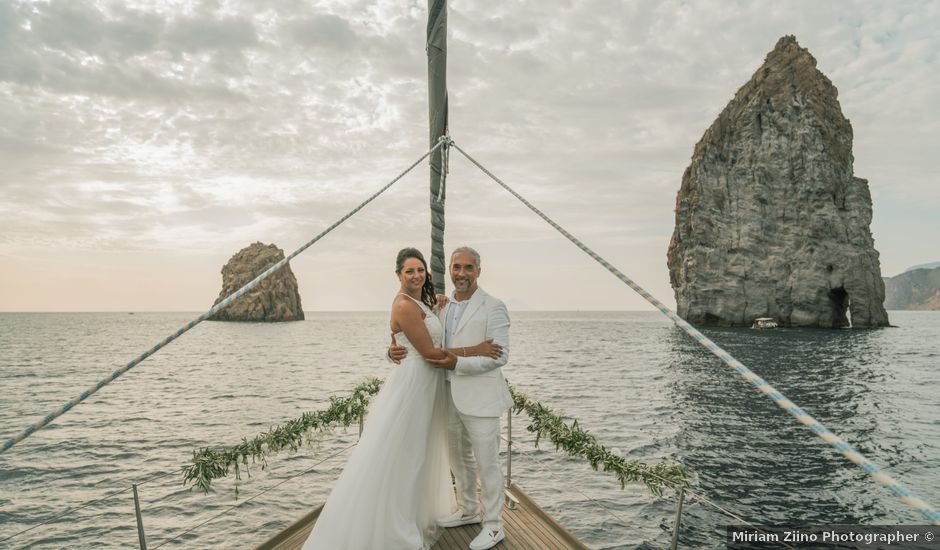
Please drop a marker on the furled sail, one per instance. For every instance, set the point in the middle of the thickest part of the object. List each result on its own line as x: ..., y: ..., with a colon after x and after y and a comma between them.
x: 437, y: 93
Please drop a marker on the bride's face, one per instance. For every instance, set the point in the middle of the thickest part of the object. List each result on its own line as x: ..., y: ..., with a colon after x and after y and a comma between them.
x: 412, y: 275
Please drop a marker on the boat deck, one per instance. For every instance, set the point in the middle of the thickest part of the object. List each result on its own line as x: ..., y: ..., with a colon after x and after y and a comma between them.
x: 528, y: 527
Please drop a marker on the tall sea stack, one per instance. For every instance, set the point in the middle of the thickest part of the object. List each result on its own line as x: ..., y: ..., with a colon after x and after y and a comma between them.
x: 274, y: 299
x: 770, y: 220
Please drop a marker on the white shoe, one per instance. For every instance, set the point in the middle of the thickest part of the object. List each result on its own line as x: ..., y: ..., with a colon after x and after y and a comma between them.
x: 458, y: 518
x: 488, y: 538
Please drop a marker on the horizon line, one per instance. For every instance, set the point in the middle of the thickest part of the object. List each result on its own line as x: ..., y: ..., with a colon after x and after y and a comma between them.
x: 129, y: 311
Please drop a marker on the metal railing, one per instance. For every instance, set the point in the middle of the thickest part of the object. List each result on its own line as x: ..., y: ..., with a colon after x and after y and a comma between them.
x: 138, y: 512
x: 140, y: 521
x: 681, y: 493
x: 512, y: 501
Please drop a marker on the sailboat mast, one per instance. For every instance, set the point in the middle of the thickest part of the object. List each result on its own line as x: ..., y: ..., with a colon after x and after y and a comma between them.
x: 437, y: 109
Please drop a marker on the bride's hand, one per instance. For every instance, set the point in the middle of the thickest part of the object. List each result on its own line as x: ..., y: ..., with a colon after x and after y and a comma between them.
x: 449, y: 361
x: 489, y: 348
x: 441, y: 301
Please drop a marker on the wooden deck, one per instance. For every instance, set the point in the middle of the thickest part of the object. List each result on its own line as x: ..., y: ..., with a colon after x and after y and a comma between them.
x: 528, y: 527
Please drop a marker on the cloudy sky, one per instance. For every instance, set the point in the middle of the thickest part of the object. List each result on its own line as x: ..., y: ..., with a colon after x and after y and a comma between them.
x: 143, y: 143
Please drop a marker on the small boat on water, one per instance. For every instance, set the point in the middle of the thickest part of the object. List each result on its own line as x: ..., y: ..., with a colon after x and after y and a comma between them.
x: 764, y: 322
x: 527, y: 524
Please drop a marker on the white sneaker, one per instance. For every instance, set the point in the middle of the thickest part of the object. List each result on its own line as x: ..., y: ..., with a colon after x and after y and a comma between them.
x: 458, y: 518
x: 487, y: 538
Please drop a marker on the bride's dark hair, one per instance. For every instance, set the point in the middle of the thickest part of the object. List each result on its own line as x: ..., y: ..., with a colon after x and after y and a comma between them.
x: 427, y: 291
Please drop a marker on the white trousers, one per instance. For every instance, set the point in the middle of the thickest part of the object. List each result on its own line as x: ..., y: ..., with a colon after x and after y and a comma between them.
x: 473, y: 445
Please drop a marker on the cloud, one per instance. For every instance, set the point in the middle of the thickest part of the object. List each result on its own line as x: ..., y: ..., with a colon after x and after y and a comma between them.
x: 144, y: 125
x: 326, y: 31
x: 80, y: 27
x: 193, y: 35
x: 76, y: 48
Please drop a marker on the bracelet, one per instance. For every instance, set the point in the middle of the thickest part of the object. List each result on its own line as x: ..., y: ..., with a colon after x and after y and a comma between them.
x: 464, y: 352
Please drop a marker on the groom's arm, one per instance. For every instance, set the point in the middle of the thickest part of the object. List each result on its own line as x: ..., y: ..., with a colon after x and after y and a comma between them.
x: 395, y: 353
x: 497, y: 329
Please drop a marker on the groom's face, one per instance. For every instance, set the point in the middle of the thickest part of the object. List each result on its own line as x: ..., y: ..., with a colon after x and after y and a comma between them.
x: 464, y: 271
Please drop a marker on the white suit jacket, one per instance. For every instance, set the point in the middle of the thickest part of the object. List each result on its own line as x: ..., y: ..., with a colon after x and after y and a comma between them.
x: 477, y: 384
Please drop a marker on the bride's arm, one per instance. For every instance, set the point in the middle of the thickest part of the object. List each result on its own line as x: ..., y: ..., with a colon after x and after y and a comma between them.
x: 497, y: 328
x: 408, y: 317
x: 486, y: 348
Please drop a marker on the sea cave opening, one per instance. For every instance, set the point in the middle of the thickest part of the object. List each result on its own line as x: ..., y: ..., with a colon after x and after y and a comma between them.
x: 839, y: 301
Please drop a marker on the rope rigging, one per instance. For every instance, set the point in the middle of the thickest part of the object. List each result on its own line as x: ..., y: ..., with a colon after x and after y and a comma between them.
x: 440, y: 144
x: 38, y: 425
x: 836, y: 442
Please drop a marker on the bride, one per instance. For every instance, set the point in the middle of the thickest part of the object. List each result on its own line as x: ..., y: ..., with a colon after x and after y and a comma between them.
x: 397, y: 482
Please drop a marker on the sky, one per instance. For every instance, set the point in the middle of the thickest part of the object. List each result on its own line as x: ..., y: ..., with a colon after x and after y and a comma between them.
x: 144, y: 143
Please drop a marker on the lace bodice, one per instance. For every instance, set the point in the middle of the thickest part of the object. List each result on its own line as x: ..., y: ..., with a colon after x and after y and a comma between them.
x: 435, y: 329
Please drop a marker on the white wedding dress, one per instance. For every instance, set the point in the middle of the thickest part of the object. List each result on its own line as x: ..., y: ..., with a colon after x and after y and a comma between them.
x: 397, y: 480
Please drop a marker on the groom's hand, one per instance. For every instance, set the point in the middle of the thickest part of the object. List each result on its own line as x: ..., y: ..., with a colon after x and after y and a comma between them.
x: 449, y: 361
x: 395, y: 352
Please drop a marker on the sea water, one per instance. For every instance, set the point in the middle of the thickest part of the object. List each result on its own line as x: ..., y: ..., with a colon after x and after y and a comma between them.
x: 633, y: 380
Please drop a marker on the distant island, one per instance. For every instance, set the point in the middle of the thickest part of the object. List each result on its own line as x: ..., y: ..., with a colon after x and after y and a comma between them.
x: 923, y: 266
x: 275, y: 299
x: 918, y: 288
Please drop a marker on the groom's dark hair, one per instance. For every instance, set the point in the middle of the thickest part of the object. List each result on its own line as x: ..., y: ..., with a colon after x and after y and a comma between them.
x: 427, y: 291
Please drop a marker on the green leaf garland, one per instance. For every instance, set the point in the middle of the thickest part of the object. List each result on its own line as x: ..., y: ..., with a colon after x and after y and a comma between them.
x: 575, y: 441
x: 210, y: 464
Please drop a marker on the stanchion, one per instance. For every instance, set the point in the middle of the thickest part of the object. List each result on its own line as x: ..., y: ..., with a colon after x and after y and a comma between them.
x: 140, y: 521
x: 509, y: 449
x: 675, y: 530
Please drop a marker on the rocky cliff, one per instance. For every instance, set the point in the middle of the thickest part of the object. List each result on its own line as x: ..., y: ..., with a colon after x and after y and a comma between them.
x: 770, y: 219
x: 274, y: 299
x: 914, y: 289
x: 931, y: 265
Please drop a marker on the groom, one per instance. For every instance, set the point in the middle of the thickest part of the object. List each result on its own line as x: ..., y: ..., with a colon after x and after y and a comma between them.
x: 478, y: 395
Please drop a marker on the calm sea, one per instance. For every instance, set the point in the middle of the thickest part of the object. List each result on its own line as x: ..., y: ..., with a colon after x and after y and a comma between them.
x: 630, y: 378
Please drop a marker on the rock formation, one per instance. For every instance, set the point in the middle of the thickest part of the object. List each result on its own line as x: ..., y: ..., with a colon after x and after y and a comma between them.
x: 770, y: 220
x: 274, y: 299
x: 931, y: 265
x: 917, y: 288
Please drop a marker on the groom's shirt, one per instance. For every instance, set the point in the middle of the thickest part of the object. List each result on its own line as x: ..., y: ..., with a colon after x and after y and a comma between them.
x: 452, y: 320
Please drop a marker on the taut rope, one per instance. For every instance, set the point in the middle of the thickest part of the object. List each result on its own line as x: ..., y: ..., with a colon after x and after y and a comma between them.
x: 836, y: 442
x: 38, y: 425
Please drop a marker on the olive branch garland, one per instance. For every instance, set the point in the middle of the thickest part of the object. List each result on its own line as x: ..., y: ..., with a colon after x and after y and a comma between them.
x: 210, y: 464
x: 575, y: 441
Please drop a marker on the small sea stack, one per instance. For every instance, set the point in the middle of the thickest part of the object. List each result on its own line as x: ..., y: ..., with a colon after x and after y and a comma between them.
x: 770, y: 218
x: 275, y: 299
